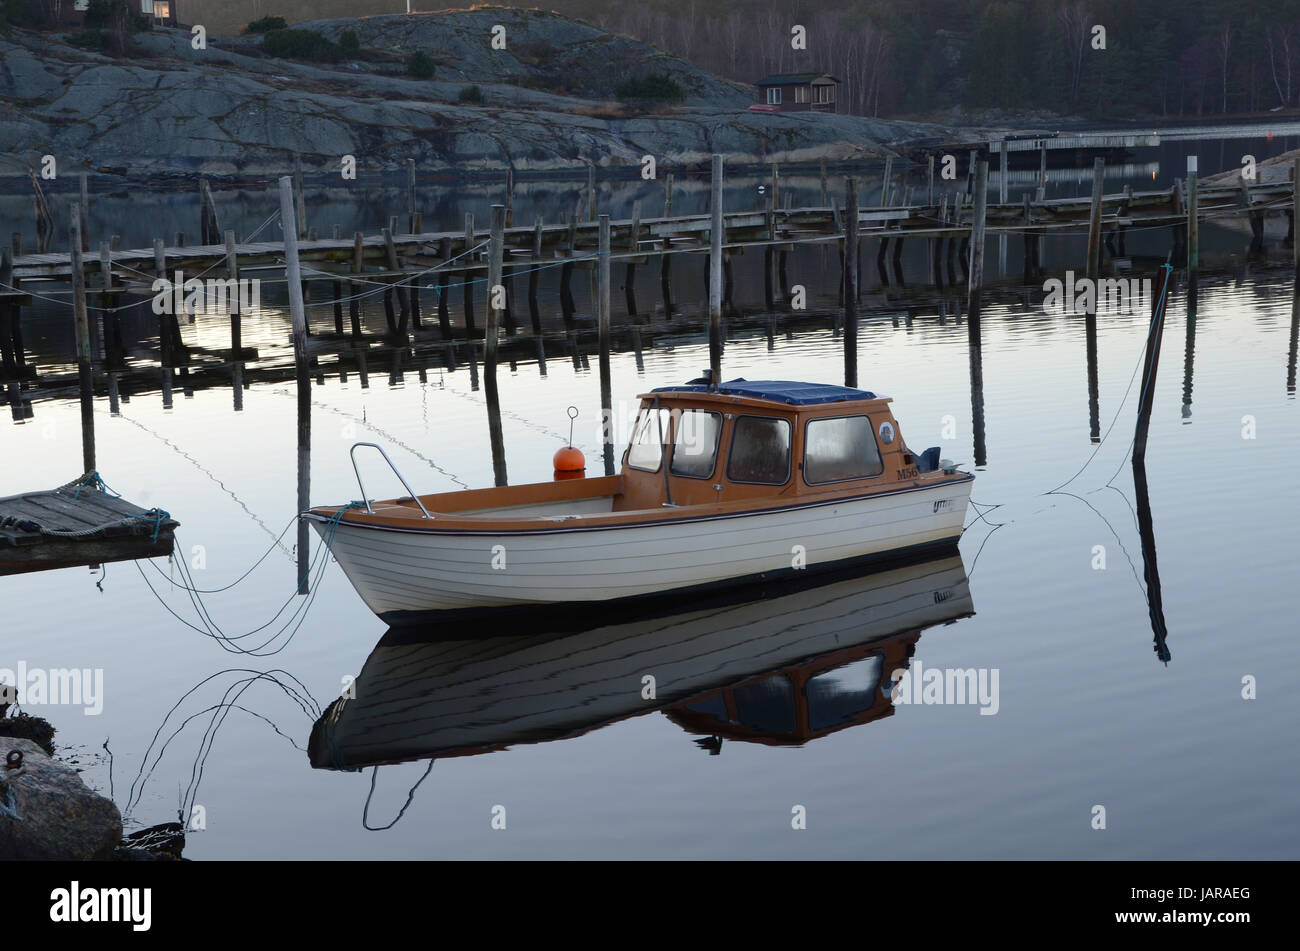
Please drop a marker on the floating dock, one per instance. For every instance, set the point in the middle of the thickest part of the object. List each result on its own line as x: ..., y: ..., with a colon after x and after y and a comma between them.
x: 80, y: 523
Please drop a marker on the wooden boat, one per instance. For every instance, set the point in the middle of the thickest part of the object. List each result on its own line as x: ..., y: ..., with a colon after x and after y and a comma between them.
x: 719, y: 485
x: 782, y: 663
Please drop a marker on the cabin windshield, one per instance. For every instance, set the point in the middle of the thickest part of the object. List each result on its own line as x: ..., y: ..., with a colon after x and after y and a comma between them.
x: 651, y: 429
x: 695, y: 443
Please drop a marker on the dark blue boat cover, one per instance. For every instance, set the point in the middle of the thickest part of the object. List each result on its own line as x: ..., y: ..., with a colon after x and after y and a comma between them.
x: 779, y: 391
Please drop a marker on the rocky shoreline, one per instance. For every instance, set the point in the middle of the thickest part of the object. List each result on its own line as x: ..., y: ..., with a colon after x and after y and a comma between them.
x: 48, y: 813
x: 546, y: 103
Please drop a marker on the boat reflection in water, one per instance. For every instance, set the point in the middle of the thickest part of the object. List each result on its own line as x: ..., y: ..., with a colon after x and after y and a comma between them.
x: 792, y: 663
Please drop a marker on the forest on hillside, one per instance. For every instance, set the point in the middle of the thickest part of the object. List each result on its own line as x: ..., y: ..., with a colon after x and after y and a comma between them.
x: 911, y: 57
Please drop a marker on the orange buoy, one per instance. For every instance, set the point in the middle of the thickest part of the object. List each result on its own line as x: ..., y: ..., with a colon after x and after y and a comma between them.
x: 570, y: 463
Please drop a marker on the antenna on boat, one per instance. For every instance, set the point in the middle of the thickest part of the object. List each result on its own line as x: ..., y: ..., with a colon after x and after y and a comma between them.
x: 569, y: 461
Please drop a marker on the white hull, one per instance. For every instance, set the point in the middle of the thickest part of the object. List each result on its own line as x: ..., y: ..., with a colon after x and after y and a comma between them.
x: 398, y: 572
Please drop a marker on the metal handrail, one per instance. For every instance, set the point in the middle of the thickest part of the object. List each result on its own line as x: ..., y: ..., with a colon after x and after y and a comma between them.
x: 411, y: 492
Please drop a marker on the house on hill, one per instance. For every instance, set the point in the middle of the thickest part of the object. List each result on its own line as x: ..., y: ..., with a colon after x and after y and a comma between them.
x: 798, y: 92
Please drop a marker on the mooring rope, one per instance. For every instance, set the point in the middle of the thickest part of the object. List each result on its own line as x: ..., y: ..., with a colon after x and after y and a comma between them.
x: 313, y: 574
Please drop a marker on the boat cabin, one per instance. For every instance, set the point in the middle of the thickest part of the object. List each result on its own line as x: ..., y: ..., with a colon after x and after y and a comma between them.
x: 699, y: 445
x: 803, y: 702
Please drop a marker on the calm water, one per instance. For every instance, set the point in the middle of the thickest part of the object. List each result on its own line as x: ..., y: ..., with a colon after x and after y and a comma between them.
x: 553, y: 728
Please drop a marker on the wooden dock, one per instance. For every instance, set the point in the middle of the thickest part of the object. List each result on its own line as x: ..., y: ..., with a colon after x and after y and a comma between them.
x: 78, y: 524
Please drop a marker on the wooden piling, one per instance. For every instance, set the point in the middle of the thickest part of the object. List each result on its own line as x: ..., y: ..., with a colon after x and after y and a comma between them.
x: 300, y: 202
x: 44, y: 221
x: 298, y: 314
x: 510, y: 197
x: 236, y: 317
x: 496, y: 256
x: 534, y: 276
x: 354, y: 287
x: 1094, y: 218
x: 1295, y: 211
x: 566, y: 295
x: 1193, y: 229
x: 975, y: 271
x: 468, y: 277
x: 209, y: 223
x: 81, y: 319
x: 1003, y: 171
x: 668, y: 195
x: 389, y: 315
x: 1151, y: 362
x: 929, y: 195
x: 629, y: 272
x: 1042, y: 172
x: 665, y: 279
x: 851, y: 282
x: 444, y: 276
x: 602, y: 327
x: 410, y: 197
x: 715, y: 271
x: 591, y: 191
x: 886, y: 181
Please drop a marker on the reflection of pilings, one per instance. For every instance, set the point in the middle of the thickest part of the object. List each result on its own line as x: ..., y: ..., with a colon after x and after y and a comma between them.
x: 1295, y: 338
x: 1094, y: 408
x: 975, y: 343
x: 1189, y: 356
x: 1150, y: 572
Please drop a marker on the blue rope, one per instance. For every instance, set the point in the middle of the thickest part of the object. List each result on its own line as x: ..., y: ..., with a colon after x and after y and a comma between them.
x: 159, y: 516
x: 93, y: 478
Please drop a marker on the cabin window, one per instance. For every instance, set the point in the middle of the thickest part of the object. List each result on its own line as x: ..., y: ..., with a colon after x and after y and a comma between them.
x: 774, y: 97
x: 837, y: 696
x: 825, y: 93
x: 646, y: 449
x: 840, y: 448
x: 801, y: 93
x: 695, y: 443
x: 760, y: 450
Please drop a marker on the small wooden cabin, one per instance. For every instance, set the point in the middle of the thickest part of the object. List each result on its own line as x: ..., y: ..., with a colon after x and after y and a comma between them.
x: 799, y: 92
x: 159, y: 12
x: 764, y: 440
